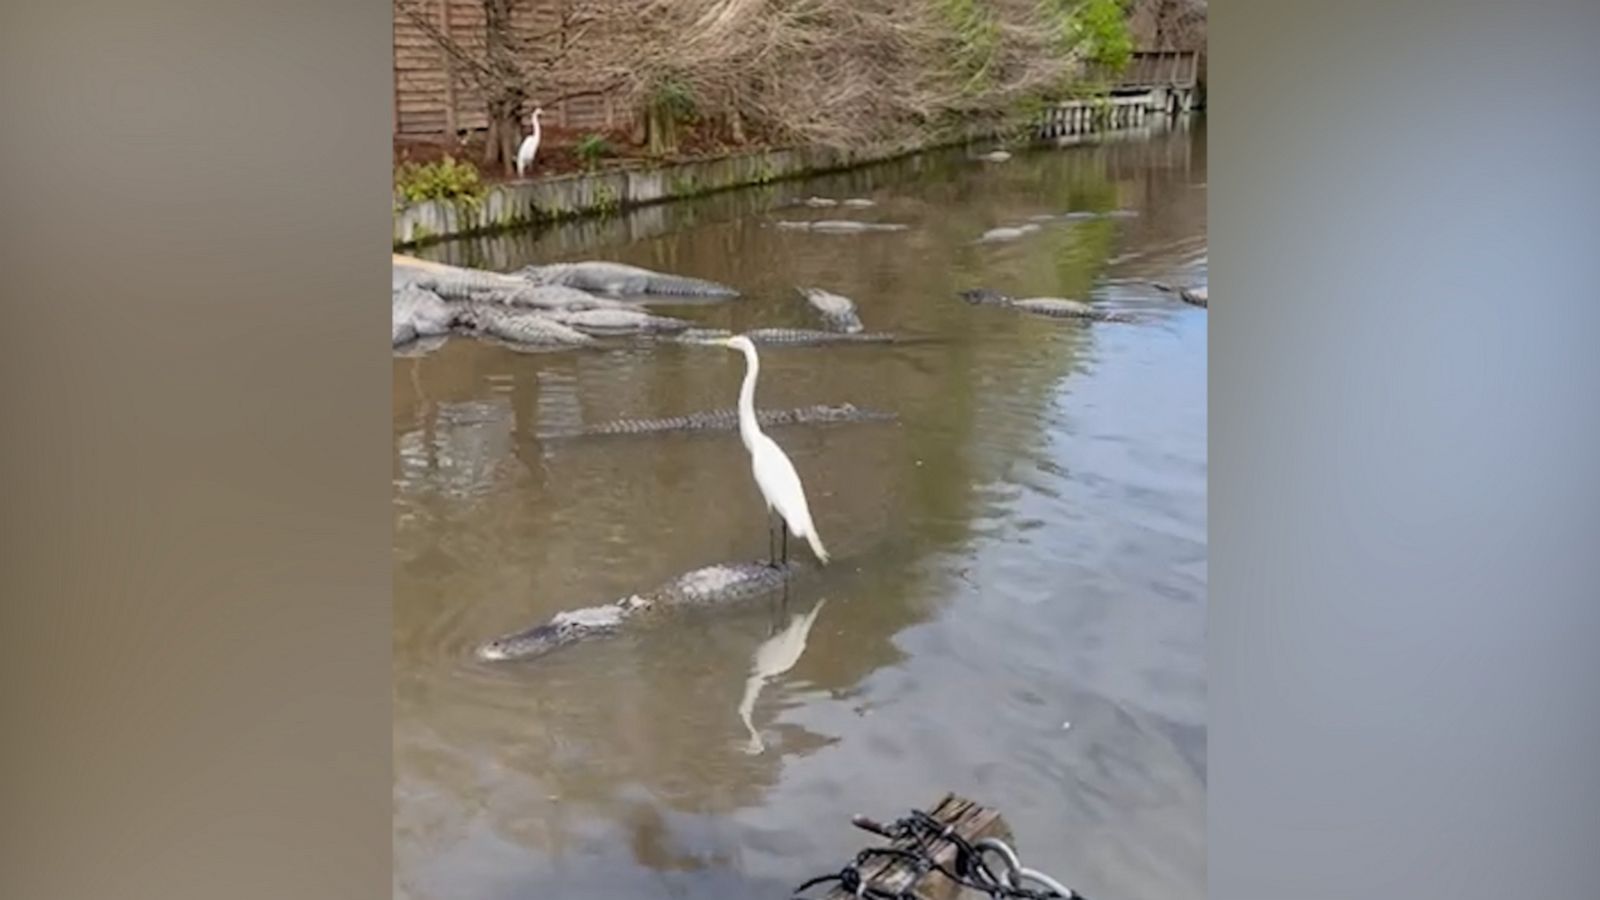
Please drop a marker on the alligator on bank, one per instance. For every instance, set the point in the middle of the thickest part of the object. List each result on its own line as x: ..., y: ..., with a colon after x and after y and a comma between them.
x: 793, y: 337
x: 839, y: 312
x: 728, y: 420
x: 1054, y: 307
x: 417, y: 313
x: 619, y: 280
x: 492, y: 288
x: 569, y: 286
x: 519, y: 326
x: 618, y: 321
x: 711, y: 585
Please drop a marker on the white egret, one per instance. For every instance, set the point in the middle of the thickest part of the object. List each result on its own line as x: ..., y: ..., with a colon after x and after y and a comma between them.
x: 530, y: 145
x: 775, y: 475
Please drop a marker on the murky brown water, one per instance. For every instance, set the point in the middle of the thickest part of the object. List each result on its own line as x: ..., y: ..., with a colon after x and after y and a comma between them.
x: 1026, y: 548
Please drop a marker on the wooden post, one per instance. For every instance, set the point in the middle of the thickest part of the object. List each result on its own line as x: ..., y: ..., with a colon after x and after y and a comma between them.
x: 966, y: 818
x: 449, y: 73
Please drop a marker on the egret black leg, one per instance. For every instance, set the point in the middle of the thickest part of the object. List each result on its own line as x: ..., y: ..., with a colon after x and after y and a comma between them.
x: 784, y: 527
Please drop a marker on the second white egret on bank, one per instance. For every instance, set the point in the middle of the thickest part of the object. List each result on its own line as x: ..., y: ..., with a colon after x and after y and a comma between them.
x: 775, y: 475
x: 530, y: 144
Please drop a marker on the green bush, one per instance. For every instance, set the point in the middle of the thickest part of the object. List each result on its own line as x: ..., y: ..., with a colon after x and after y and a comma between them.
x: 1101, y: 31
x: 592, y: 148
x: 447, y: 179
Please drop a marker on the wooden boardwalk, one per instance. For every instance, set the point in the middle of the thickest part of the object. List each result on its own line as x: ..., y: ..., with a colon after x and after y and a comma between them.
x: 1154, y: 83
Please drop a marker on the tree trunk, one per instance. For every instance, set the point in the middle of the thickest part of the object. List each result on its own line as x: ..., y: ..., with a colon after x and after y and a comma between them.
x: 507, y: 92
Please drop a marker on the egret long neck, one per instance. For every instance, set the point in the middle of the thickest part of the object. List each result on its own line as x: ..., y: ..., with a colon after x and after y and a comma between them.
x: 748, y: 429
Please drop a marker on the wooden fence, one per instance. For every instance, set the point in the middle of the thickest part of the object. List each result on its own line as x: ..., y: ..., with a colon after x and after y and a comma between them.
x: 432, y: 99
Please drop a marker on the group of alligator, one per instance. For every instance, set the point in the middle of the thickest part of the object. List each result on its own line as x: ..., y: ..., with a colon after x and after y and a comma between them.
x: 574, y: 304
x: 577, y: 304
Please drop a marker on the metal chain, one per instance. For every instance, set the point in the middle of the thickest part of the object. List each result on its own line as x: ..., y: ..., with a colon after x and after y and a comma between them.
x: 972, y: 868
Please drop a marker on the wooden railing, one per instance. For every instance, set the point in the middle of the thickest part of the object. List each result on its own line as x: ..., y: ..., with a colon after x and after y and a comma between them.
x: 1152, y: 69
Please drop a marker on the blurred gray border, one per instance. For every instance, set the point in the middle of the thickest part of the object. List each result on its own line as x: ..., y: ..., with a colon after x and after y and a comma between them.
x: 1405, y: 435
x: 195, y: 556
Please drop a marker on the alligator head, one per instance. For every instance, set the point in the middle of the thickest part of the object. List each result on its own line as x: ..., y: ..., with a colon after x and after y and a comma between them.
x: 565, y: 628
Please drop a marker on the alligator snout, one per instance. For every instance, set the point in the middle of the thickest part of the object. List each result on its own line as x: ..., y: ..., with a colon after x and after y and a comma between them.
x: 492, y: 651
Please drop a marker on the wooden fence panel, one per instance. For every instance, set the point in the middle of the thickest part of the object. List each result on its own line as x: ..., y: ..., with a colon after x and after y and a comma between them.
x: 432, y: 99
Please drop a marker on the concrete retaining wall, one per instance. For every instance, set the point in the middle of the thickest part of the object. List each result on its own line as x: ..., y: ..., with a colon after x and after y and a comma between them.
x: 566, y: 196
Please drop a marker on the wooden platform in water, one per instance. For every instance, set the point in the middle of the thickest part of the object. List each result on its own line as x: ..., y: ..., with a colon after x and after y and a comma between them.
x: 965, y: 818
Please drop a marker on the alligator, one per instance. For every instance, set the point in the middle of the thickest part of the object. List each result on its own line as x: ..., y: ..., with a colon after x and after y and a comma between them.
x: 621, y: 280
x: 559, y: 297
x: 518, y: 326
x: 421, y: 346
x: 710, y: 585
x: 1045, y: 306
x: 1008, y: 234
x: 618, y: 321
x: 1193, y: 296
x: 821, y: 202
x: 451, y: 282
x: 418, y: 312
x: 793, y: 337
x: 840, y: 226
x: 728, y: 420
x: 460, y: 284
x: 839, y: 312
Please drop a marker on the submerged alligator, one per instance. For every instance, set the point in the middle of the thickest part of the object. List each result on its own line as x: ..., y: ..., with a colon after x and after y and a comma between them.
x: 1007, y: 233
x: 852, y: 202
x: 840, y: 226
x: 793, y: 337
x: 1197, y: 296
x: 839, y: 312
x: 1045, y: 306
x: 711, y: 585
x: 728, y: 420
x: 619, y: 280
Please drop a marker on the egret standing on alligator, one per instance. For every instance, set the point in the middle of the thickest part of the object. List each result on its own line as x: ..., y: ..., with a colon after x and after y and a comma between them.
x: 775, y: 475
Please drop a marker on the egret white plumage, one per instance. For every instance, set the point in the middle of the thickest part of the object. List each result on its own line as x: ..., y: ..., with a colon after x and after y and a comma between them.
x: 530, y: 145
x: 775, y: 475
